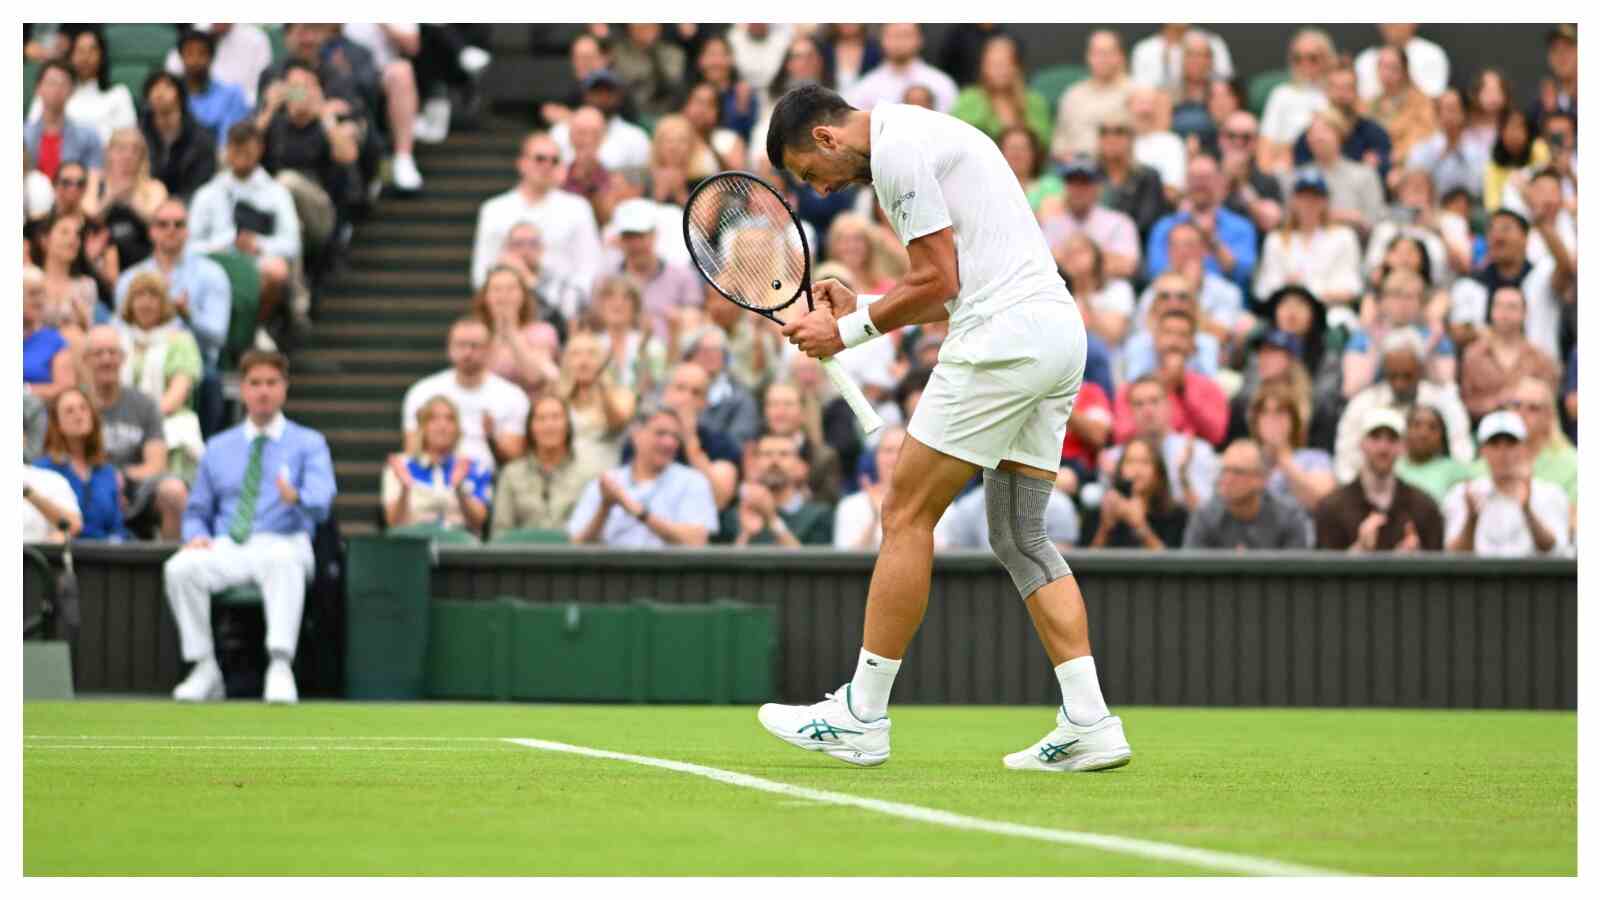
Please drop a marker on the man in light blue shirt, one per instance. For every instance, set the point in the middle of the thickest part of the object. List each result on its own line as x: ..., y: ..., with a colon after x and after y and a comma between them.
x: 199, y: 286
x: 217, y: 105
x: 262, y: 488
x: 651, y: 502
x: 1230, y: 238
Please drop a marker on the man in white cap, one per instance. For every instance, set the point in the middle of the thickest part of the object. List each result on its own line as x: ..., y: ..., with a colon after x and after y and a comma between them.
x: 1377, y: 511
x: 665, y: 284
x: 1508, y: 512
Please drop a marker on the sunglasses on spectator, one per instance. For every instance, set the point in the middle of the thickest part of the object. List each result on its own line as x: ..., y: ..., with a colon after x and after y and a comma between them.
x: 70, y: 182
x: 170, y: 223
x: 1305, y: 57
x: 1241, y: 136
x: 544, y: 159
x: 1241, y: 472
x: 1174, y: 295
x: 1116, y: 129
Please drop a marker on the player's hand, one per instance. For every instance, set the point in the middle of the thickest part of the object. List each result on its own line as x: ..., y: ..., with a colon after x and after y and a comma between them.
x: 816, y: 333
x: 835, y: 295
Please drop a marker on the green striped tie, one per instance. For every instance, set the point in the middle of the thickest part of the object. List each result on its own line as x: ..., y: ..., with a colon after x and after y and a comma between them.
x: 244, y: 515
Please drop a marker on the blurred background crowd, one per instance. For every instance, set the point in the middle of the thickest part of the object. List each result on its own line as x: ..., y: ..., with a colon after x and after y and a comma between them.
x: 1331, y: 304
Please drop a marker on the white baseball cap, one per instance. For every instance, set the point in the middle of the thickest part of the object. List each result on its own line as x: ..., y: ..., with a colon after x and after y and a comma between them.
x: 636, y: 216
x: 1502, y: 422
x: 1383, y: 417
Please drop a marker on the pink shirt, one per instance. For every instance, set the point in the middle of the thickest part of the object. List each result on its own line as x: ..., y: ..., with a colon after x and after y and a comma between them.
x: 503, y: 361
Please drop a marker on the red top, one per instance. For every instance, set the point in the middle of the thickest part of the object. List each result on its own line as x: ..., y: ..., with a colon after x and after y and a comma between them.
x: 1092, y: 403
x: 1201, y: 409
x: 49, y: 156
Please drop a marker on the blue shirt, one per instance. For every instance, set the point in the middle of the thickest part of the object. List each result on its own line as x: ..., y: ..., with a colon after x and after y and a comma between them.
x: 219, y: 108
x: 1233, y: 230
x: 210, y: 295
x: 1139, y: 355
x: 479, y: 481
x: 297, y: 452
x: 98, y: 498
x: 80, y: 143
x: 39, y: 353
x: 679, y: 494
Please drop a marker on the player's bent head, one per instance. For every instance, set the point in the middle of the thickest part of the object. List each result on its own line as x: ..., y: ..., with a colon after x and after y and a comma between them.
x: 797, y: 112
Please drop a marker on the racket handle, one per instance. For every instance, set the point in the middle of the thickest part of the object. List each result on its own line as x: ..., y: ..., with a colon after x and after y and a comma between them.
x: 851, y: 392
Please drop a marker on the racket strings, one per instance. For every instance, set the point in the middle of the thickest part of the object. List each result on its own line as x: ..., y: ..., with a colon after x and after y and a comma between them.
x: 746, y: 243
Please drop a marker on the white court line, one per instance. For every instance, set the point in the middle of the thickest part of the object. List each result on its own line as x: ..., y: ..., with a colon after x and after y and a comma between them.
x: 361, y: 748
x: 239, y: 737
x: 1205, y: 859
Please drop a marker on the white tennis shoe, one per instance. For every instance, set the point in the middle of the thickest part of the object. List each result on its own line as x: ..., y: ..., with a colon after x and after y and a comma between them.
x: 829, y: 727
x: 203, y: 684
x: 1075, y: 748
x: 280, y: 686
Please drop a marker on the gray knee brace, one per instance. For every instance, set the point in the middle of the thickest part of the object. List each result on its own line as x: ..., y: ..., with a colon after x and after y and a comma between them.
x: 1016, y: 505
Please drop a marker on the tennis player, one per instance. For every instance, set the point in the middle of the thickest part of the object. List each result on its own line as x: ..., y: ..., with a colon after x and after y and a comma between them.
x: 998, y: 400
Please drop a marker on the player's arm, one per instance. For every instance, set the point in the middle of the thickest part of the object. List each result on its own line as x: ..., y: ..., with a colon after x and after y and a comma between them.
x: 932, y: 281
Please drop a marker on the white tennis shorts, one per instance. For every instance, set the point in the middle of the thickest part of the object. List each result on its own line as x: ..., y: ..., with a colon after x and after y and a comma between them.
x: 1005, y: 389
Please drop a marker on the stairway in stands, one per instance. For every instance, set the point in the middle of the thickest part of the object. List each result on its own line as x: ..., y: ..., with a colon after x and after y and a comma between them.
x: 381, y: 322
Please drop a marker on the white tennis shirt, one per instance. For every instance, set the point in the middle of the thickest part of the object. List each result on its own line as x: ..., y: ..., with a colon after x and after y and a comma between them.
x: 932, y: 171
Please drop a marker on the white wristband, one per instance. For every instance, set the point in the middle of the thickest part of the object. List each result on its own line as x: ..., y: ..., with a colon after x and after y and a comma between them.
x: 857, y: 328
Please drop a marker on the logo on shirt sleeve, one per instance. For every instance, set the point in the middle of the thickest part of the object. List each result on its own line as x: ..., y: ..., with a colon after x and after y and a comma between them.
x: 898, y: 209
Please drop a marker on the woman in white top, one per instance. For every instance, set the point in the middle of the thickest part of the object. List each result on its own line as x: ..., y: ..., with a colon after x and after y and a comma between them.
x: 1309, y: 250
x: 437, y: 484
x: 633, y: 357
x: 600, y: 407
x: 95, y: 101
x: 1290, y: 105
x: 704, y: 112
x: 1107, y: 305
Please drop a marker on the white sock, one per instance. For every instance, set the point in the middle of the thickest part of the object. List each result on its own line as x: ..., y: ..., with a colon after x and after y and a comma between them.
x: 869, y: 690
x: 1080, y: 691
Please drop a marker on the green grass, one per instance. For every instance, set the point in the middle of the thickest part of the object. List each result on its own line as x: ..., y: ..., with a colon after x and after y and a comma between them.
x: 1381, y: 792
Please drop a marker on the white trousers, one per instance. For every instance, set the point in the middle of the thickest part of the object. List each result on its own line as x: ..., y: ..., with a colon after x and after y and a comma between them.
x: 278, y: 564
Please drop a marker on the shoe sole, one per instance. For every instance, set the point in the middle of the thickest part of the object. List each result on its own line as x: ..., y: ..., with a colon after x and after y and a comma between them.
x: 842, y: 753
x: 1089, y: 762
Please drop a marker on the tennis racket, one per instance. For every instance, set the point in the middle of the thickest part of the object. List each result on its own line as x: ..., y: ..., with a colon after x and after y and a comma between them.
x: 748, y: 244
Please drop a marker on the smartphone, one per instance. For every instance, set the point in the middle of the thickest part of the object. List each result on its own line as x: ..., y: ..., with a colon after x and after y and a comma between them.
x: 1123, y: 486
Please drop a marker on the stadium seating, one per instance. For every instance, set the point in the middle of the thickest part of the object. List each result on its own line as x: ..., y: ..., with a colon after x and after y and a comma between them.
x: 131, y: 74
x: 30, y: 73
x: 441, y: 533
x: 530, y: 536
x: 1261, y: 88
x: 146, y: 44
x: 1052, y: 82
x: 244, y: 282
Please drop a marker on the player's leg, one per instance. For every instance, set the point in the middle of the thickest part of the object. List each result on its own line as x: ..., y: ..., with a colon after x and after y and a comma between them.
x: 922, y: 486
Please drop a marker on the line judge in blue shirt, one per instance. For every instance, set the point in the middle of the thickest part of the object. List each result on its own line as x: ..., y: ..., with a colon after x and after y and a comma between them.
x: 262, y: 487
x: 1230, y: 237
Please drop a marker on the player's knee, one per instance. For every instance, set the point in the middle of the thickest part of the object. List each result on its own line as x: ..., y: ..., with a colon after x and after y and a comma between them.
x: 1017, y: 530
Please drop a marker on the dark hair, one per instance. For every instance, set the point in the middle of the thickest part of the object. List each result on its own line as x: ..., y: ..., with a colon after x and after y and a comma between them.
x: 1444, y: 426
x: 1513, y: 215
x: 58, y: 65
x: 1502, y: 154
x: 190, y: 35
x: 102, y: 76
x: 1546, y: 172
x: 566, y: 408
x: 1161, y: 494
x: 243, y: 132
x: 796, y: 114
x: 1033, y: 143
x: 915, y: 380
x: 780, y: 80
x: 253, y: 358
x: 1477, y: 88
x: 162, y: 75
x: 302, y: 66
x: 1422, y: 251
x: 38, y: 246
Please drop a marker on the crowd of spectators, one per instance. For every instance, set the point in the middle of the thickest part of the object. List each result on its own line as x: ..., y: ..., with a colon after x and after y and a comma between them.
x: 1344, y: 321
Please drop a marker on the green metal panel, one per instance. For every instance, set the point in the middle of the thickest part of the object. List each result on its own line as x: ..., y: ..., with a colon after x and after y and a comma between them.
x: 387, y: 591
x: 571, y: 651
x: 469, y: 650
